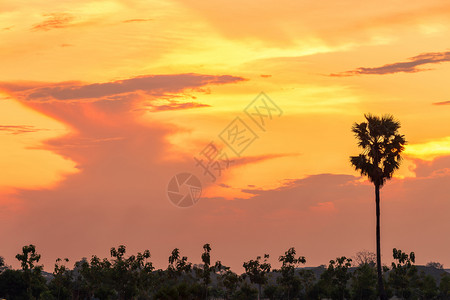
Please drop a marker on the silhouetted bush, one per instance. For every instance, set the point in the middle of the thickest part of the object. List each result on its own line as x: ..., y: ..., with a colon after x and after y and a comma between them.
x: 134, y: 277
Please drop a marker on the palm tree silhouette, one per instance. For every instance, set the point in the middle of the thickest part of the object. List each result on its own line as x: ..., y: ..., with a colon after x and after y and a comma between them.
x: 382, y: 147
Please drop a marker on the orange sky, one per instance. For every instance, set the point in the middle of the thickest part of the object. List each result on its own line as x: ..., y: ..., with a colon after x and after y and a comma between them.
x: 102, y: 102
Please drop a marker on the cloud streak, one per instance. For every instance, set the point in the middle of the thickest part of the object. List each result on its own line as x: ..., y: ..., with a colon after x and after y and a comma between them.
x: 155, y: 85
x: 178, y: 106
x: 260, y: 158
x: 442, y: 103
x: 136, y: 20
x: 411, y: 66
x: 54, y: 21
x: 18, y: 129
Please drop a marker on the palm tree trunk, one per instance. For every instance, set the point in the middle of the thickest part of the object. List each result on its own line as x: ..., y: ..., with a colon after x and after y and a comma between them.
x: 381, y: 290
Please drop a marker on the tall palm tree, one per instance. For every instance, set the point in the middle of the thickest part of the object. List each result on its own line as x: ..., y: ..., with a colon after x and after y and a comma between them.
x: 382, y: 147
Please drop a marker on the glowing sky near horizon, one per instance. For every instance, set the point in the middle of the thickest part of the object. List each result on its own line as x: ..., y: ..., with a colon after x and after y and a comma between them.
x: 102, y: 102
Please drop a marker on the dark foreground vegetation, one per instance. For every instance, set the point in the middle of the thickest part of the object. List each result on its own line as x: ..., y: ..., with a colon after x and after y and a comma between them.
x: 134, y: 277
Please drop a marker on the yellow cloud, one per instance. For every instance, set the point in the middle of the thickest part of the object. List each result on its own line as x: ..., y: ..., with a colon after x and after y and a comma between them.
x: 429, y: 150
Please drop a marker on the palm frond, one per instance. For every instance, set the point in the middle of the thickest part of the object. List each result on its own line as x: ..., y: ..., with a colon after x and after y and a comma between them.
x: 382, y: 147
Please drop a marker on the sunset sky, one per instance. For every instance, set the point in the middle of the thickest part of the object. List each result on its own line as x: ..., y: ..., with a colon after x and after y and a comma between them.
x: 103, y: 102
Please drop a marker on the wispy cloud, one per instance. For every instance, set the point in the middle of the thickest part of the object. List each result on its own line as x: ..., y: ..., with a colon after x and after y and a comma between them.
x: 18, y: 129
x: 136, y: 20
x: 411, y: 66
x: 55, y: 21
x: 178, y: 106
x: 442, y: 103
x: 260, y: 158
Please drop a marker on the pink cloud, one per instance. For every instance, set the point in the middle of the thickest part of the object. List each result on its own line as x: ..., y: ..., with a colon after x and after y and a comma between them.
x: 177, y: 106
x: 156, y: 85
x: 426, y: 169
x: 405, y: 67
x: 123, y: 168
x: 141, y: 91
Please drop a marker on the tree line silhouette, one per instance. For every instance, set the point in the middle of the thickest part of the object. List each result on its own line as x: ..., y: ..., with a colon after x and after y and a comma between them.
x: 134, y: 277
